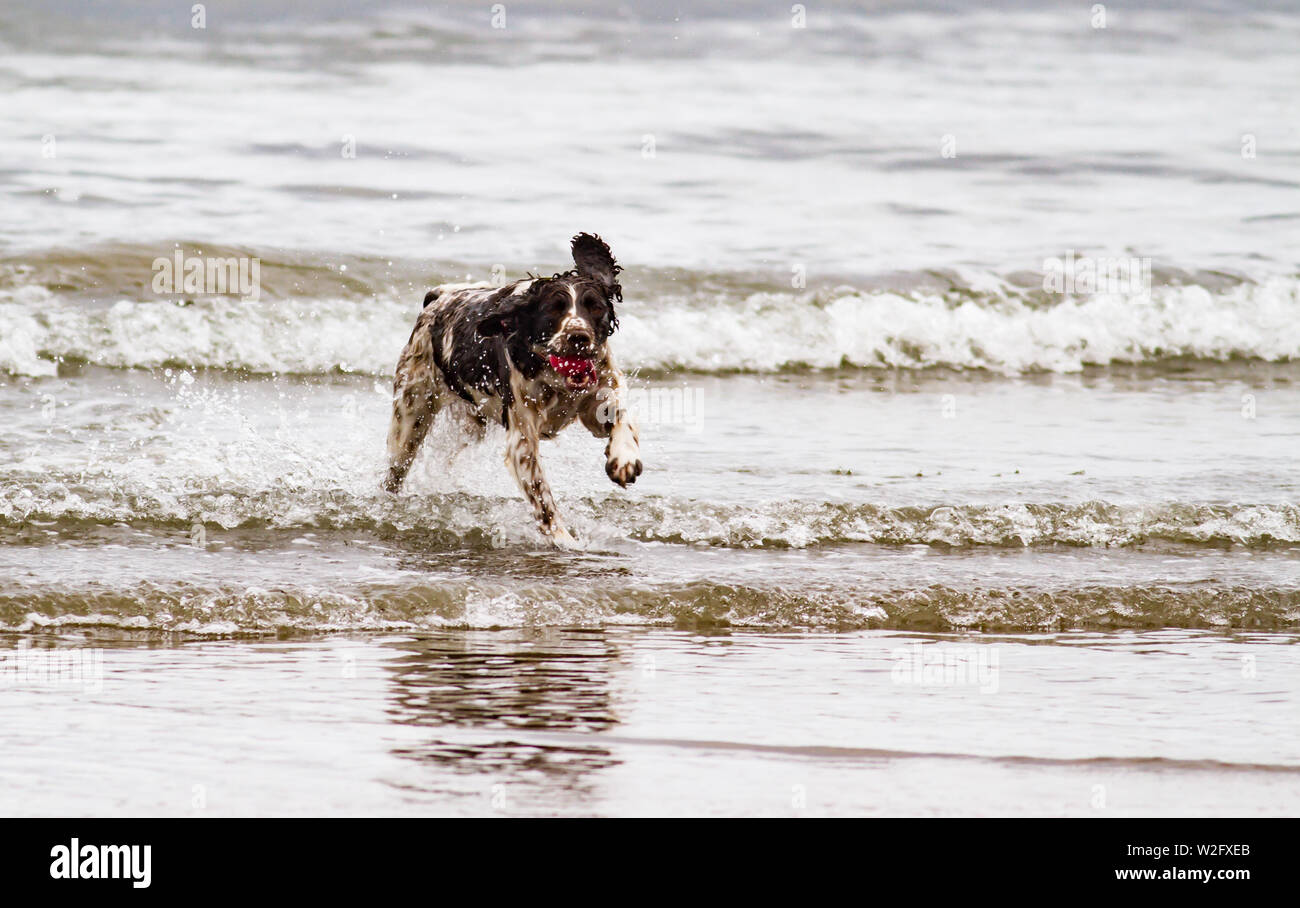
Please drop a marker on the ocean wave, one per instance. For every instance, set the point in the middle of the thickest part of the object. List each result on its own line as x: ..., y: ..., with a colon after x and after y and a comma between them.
x: 232, y: 610
x: 713, y: 325
x: 33, y: 512
x: 1000, y: 332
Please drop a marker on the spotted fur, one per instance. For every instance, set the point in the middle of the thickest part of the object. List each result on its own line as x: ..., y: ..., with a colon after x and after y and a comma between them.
x: 490, y: 354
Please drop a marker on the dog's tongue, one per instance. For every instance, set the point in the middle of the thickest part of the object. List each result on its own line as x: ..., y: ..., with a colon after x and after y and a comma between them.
x: 573, y: 367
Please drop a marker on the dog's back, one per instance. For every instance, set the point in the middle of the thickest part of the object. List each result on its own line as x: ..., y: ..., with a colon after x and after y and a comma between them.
x: 445, y: 290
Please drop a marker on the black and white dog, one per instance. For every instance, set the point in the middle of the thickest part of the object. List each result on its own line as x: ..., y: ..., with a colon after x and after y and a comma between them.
x: 533, y: 355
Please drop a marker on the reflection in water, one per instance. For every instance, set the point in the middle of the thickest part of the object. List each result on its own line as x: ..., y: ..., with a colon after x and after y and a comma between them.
x: 478, y: 690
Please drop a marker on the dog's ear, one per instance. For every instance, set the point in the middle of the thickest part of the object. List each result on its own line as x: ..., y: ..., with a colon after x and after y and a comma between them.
x: 499, y: 314
x: 493, y: 325
x: 594, y: 261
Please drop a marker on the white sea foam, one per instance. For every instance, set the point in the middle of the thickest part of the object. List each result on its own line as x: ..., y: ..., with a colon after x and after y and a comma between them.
x: 760, y: 332
x: 454, y: 519
x: 851, y: 328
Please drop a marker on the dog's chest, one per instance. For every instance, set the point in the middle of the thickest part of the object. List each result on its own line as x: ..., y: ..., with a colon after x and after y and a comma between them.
x: 554, y: 408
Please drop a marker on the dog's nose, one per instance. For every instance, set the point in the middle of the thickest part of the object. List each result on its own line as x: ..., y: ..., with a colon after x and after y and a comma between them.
x: 580, y: 340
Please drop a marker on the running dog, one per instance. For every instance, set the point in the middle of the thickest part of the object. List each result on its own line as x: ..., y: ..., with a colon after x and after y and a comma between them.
x: 533, y: 355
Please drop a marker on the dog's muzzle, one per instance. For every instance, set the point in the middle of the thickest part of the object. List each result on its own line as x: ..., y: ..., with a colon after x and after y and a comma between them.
x: 579, y: 372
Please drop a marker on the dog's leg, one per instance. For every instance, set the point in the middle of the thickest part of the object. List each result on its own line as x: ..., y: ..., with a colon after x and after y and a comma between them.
x: 609, y: 416
x: 415, y: 402
x: 473, y: 428
x: 526, y: 467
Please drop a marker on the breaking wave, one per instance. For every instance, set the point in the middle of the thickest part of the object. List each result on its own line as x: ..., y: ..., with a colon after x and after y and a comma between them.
x: 32, y: 512
x: 315, y: 318
x: 239, y: 610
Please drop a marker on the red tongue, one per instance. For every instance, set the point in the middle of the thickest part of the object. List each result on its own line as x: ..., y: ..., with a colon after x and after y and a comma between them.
x: 573, y: 367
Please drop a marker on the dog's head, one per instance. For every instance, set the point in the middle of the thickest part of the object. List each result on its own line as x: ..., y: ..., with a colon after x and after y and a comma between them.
x: 567, y: 318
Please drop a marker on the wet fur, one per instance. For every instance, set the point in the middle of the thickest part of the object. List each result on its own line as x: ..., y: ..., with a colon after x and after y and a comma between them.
x: 480, y: 352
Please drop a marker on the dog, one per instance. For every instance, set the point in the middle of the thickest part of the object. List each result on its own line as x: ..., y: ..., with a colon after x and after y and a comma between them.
x: 532, y: 355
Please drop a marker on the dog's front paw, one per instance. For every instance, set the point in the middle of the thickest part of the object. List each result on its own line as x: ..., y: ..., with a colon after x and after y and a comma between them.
x: 563, y: 539
x: 623, y: 471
